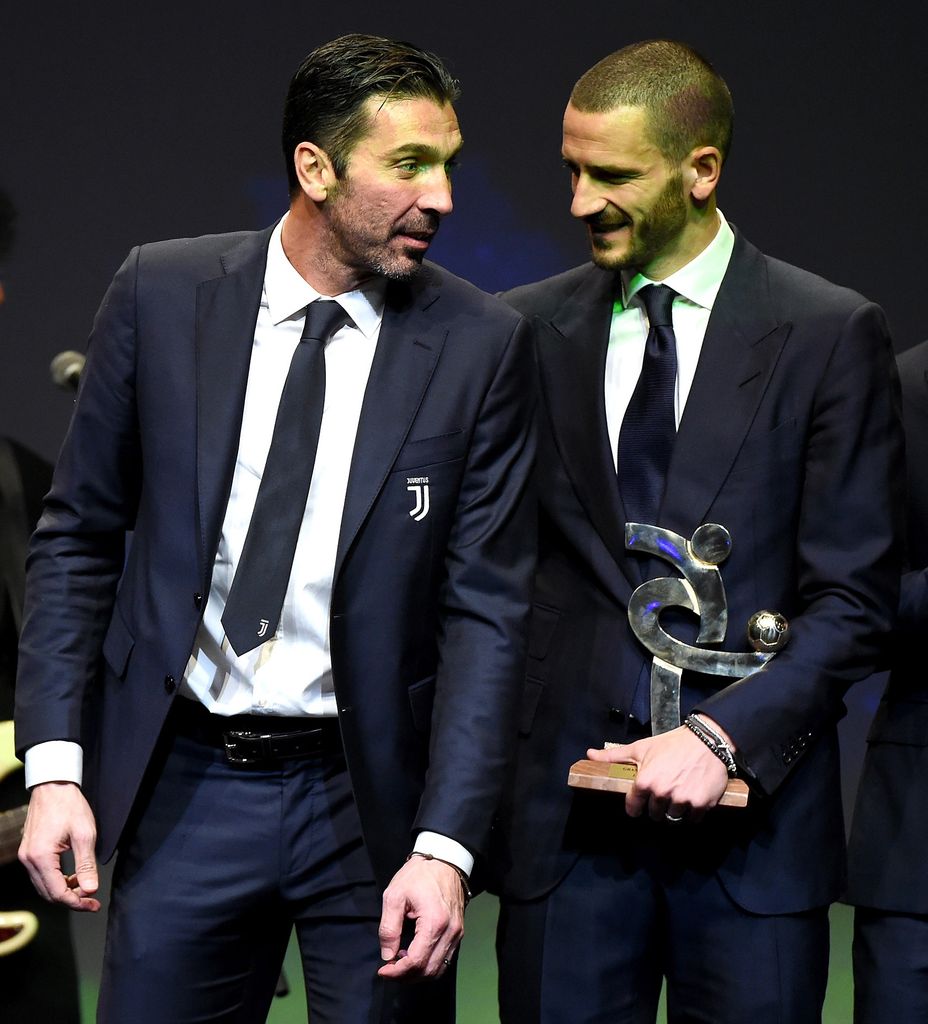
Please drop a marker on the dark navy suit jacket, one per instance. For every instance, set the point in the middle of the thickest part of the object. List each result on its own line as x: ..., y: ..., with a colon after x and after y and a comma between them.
x: 887, y: 845
x: 428, y: 616
x: 790, y: 438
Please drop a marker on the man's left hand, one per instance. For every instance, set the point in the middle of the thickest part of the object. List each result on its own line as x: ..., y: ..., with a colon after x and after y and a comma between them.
x: 678, y: 775
x: 430, y: 893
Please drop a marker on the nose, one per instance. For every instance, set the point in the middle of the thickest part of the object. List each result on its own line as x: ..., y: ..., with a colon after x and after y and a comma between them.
x: 586, y: 201
x: 436, y: 196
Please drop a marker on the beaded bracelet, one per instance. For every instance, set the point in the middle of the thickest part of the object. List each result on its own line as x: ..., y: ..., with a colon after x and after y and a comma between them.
x: 713, y: 740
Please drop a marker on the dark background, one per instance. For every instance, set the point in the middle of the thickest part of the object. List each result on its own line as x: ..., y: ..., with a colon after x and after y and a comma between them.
x: 124, y: 123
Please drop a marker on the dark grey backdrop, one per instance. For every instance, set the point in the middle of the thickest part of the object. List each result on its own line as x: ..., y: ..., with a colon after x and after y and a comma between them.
x: 123, y: 123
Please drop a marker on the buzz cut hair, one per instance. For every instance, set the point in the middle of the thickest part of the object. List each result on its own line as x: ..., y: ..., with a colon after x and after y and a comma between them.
x: 686, y: 101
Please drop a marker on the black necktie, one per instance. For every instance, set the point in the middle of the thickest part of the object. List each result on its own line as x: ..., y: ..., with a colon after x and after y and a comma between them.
x: 649, y: 427
x: 252, y: 612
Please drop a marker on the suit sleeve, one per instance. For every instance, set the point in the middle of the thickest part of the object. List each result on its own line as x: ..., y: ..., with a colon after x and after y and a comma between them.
x: 484, y: 607
x: 76, y: 554
x: 847, y: 558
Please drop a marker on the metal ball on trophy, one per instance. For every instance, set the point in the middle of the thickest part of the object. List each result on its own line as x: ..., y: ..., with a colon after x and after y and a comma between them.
x: 768, y: 631
x: 699, y: 589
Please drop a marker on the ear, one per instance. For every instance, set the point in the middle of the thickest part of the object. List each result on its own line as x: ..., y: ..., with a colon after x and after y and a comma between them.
x: 314, y: 171
x: 701, y: 172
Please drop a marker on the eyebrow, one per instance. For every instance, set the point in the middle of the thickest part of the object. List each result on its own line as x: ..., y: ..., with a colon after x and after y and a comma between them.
x: 603, y: 170
x: 421, y: 150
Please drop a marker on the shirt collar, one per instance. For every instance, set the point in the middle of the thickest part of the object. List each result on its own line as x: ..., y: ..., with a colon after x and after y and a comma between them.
x: 700, y: 279
x: 287, y: 293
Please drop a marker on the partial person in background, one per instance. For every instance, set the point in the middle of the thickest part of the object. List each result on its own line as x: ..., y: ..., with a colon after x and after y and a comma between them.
x: 38, y: 980
x: 295, y: 701
x: 888, y: 855
x: 688, y: 379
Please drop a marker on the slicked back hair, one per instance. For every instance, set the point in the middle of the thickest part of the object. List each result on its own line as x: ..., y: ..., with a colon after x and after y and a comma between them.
x: 325, y: 101
x: 686, y: 102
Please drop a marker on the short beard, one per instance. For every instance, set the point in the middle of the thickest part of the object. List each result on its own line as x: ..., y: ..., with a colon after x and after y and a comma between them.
x: 359, y: 250
x: 393, y: 270
x: 651, y: 236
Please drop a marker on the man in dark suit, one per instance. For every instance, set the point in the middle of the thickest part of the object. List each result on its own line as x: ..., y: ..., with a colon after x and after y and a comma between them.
x: 724, y: 387
x: 887, y: 882
x: 267, y: 745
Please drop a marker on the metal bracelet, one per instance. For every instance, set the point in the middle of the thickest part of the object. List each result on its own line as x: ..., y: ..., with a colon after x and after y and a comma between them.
x: 713, y: 740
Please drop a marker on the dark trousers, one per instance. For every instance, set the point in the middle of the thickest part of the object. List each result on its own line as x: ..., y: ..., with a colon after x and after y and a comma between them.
x: 220, y: 863
x: 596, y: 949
x: 890, y: 967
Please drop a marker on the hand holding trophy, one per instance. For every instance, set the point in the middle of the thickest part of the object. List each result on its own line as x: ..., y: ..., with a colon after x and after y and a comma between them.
x: 699, y: 589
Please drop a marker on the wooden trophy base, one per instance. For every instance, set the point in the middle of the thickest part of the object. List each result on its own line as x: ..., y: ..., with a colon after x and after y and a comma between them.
x: 619, y: 777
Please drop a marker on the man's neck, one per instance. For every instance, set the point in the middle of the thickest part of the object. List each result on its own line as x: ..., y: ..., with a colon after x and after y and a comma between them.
x: 308, y: 247
x: 701, y: 227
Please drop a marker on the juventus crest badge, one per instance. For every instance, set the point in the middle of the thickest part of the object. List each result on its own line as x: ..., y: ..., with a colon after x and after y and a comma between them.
x: 419, y: 486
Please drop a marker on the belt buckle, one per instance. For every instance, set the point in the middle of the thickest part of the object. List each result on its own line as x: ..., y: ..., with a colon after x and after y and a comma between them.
x: 233, y: 742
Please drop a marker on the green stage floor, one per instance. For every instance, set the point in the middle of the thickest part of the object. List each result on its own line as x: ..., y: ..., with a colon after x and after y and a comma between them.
x: 477, y: 974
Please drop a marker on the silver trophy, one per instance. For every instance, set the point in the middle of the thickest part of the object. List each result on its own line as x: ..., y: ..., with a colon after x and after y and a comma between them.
x: 701, y: 591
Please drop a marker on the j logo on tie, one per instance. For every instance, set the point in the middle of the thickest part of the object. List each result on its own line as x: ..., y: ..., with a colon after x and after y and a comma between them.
x: 419, y: 485
x: 260, y: 580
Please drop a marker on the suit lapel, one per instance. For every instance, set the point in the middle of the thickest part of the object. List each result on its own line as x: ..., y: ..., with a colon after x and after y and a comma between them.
x: 226, y: 314
x: 408, y: 350
x: 743, y: 342
x: 572, y: 359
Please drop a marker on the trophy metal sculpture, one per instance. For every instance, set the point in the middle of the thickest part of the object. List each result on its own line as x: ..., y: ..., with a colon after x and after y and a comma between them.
x: 700, y: 590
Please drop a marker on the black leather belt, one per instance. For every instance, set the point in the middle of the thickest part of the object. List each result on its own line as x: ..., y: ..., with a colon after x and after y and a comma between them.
x: 256, y: 740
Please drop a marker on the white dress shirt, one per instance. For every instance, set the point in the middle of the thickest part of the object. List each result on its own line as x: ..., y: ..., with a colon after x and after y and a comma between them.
x: 291, y: 674
x: 697, y: 284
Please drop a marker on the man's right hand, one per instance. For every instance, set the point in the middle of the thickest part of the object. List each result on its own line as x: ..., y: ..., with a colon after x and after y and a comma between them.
x: 60, y: 819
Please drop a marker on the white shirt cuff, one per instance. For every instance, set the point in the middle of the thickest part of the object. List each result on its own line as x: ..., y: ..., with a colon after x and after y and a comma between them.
x: 443, y: 848
x: 54, y: 761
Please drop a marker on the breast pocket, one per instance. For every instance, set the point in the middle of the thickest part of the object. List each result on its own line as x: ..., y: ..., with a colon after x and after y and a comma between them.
x: 779, y: 446
x: 432, y: 451
x: 426, y: 476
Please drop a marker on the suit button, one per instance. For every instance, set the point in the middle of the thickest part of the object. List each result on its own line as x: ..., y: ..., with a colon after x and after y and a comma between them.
x: 198, y: 601
x: 169, y: 685
x: 617, y: 715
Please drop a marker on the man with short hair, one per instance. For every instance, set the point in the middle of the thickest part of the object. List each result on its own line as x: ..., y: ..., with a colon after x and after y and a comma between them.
x: 306, y: 671
x: 687, y: 379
